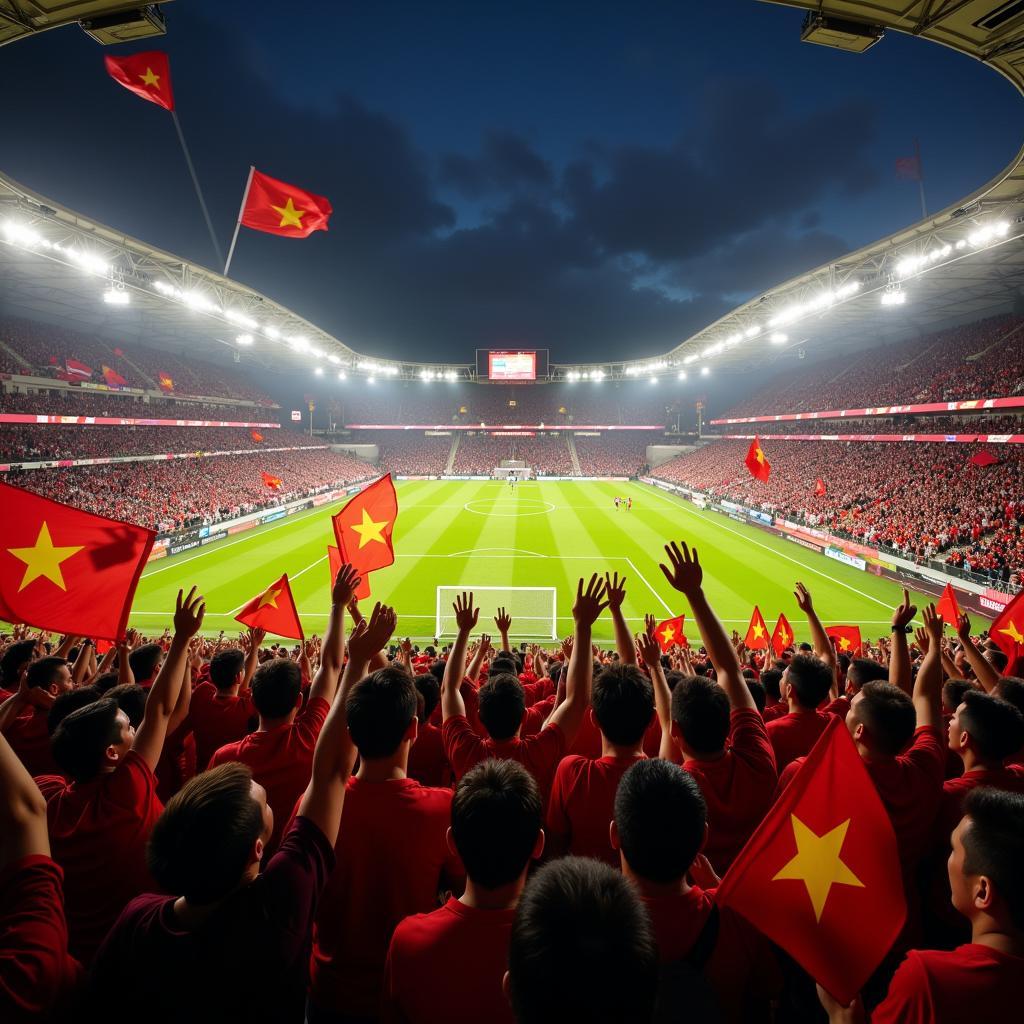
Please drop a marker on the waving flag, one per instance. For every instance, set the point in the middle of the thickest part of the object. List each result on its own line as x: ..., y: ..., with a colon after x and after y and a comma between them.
x: 113, y: 378
x: 256, y: 436
x: 846, y: 639
x: 147, y: 74
x: 273, y: 482
x: 363, y: 529
x: 166, y: 381
x: 820, y: 490
x: 1007, y: 631
x: 274, y: 611
x: 782, y: 636
x: 77, y: 370
x: 948, y: 607
x: 757, y: 638
x: 759, y: 466
x: 282, y: 209
x: 670, y: 634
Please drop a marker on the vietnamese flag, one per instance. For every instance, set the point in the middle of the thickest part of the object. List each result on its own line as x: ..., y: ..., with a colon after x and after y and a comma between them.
x: 67, y: 570
x: 759, y: 466
x: 782, y: 636
x: 273, y: 482
x: 948, y: 608
x: 147, y: 74
x: 282, y: 209
x: 363, y: 529
x: 256, y: 436
x: 113, y: 378
x: 166, y: 381
x: 757, y: 632
x: 1007, y: 631
x: 669, y: 634
x: 334, y: 562
x: 846, y: 639
x: 822, y: 863
x: 820, y: 490
x: 274, y: 611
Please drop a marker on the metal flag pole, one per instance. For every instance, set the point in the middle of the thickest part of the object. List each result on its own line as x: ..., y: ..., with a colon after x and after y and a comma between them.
x: 238, y: 223
x: 195, y: 182
x: 920, y: 178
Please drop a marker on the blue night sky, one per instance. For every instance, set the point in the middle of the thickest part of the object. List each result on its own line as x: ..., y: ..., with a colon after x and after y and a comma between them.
x: 598, y: 179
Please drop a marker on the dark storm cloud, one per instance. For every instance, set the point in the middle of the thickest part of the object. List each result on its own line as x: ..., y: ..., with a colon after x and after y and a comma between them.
x: 506, y: 162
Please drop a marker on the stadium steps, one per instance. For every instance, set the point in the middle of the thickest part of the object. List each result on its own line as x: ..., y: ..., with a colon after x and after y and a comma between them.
x: 452, y: 452
x: 17, y: 357
x: 573, y: 454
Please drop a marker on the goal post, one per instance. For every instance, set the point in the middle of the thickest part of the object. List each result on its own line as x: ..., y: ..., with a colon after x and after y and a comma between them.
x: 534, y: 610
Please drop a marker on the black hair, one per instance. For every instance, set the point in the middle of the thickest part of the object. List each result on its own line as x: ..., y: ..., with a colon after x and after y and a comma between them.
x: 997, y: 659
x: 995, y: 725
x: 502, y: 705
x: 106, y: 682
x: 757, y: 691
x: 13, y: 661
x: 994, y: 844
x: 225, y: 666
x: 131, y: 699
x: 81, y: 740
x: 379, y: 709
x: 700, y: 710
x: 953, y: 691
x: 623, y: 702
x: 144, y: 661
x: 42, y: 672
x: 503, y: 663
x: 770, y: 679
x: 887, y: 714
x: 437, y: 670
x: 427, y: 686
x: 276, y: 686
x: 1011, y: 689
x: 810, y: 679
x: 864, y: 670
x: 68, y: 702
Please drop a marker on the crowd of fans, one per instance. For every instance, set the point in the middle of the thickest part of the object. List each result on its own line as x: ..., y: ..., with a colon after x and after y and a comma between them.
x: 408, y: 454
x: 1010, y: 423
x: 60, y: 401
x: 366, y: 830
x: 919, y: 500
x: 481, y: 453
x: 548, y: 455
x: 614, y: 454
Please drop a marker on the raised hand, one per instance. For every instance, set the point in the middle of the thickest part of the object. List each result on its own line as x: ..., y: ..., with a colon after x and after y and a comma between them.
x: 466, y: 616
x: 904, y: 612
x: 256, y: 636
x: 647, y: 649
x: 502, y: 620
x: 922, y: 639
x: 650, y: 624
x: 589, y: 603
x: 615, y: 590
x: 932, y: 625
x: 371, y: 636
x: 684, y: 571
x: 346, y: 583
x: 803, y: 598
x: 963, y: 628
x: 566, y: 646
x: 188, y: 614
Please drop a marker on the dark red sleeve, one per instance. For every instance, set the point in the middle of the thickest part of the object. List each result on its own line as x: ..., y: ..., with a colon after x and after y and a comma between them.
x: 462, y: 746
x: 310, y: 720
x: 750, y: 741
x: 294, y: 878
x: 908, y: 1000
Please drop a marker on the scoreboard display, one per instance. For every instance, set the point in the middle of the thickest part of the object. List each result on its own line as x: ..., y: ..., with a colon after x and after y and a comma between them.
x: 511, y: 365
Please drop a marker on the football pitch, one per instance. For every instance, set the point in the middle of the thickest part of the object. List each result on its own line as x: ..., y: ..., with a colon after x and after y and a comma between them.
x: 544, y: 535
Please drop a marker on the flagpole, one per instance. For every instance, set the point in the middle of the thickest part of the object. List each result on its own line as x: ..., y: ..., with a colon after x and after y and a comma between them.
x: 238, y: 223
x: 195, y: 182
x: 920, y: 178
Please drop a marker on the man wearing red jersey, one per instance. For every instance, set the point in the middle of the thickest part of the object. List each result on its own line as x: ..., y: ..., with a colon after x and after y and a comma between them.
x: 428, y: 764
x: 496, y: 818
x: 100, y: 821
x: 25, y: 714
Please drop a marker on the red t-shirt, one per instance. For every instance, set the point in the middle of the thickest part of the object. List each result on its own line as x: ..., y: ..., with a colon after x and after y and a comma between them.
x: 428, y: 764
x: 536, y: 689
x: 539, y: 753
x: 281, y: 760
x: 588, y: 738
x: 582, y: 806
x: 536, y: 715
x: 392, y: 859
x: 773, y: 711
x: 30, y: 740
x: 954, y: 792
x: 840, y: 706
x: 448, y: 966
x: 738, y: 788
x: 793, y: 735
x: 970, y: 983
x: 98, y: 834
x: 217, y: 719
x: 36, y: 972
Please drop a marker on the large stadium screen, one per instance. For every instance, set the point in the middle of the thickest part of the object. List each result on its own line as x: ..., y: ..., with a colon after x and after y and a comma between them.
x: 512, y: 365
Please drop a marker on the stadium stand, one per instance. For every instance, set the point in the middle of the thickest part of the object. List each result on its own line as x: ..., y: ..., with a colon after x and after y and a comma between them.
x: 613, y: 454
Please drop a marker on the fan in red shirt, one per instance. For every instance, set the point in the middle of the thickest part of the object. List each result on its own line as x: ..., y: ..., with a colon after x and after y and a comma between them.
x: 24, y: 715
x: 495, y: 829
x: 392, y: 856
x: 980, y: 980
x: 100, y: 821
x: 428, y: 764
x: 502, y: 704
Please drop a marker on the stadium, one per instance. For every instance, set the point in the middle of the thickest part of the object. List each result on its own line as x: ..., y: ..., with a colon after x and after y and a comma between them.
x: 842, y: 452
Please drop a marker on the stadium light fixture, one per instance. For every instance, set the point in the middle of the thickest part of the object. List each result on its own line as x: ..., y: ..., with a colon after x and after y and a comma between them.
x: 319, y: 371
x: 451, y: 376
x: 117, y: 297
x: 778, y: 338
x: 239, y: 318
x: 752, y: 332
x: 21, y: 235
x: 89, y: 262
x: 272, y: 332
x: 894, y: 298
x: 244, y: 339
x: 299, y: 343
x: 705, y: 370
x: 341, y: 375
x: 691, y: 358
x: 682, y: 375
x: 597, y: 375
x: 654, y: 380
x: 371, y: 380
x: 332, y: 358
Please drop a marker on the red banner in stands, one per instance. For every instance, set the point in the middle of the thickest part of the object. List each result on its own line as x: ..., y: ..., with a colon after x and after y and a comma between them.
x: 117, y: 421
x: 944, y: 438
x: 886, y: 410
x: 494, y: 426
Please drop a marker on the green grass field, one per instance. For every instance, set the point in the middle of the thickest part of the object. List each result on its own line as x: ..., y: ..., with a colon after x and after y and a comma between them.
x: 547, y: 534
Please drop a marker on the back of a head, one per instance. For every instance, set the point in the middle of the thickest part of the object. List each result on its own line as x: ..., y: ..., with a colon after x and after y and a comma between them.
x: 810, y: 680
x: 623, y: 703
x: 68, y: 702
x: 276, y: 686
x: 203, y: 841
x: 581, y: 948
x: 994, y: 845
x: 1011, y: 689
x: 13, y: 661
x: 437, y: 670
x: 380, y: 709
x: 225, y: 666
x: 887, y: 715
x: 997, y: 659
x: 953, y: 691
x: 660, y: 817
x: 700, y: 710
x: 864, y: 670
x: 502, y: 704
x: 770, y: 679
x: 757, y: 691
x: 995, y: 726
x: 496, y: 818
x: 144, y: 661
x: 504, y: 662
x: 106, y: 682
x: 131, y: 699
x: 429, y: 688
x: 81, y: 740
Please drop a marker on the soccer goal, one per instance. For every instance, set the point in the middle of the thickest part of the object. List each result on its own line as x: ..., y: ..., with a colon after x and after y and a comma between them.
x: 533, y: 610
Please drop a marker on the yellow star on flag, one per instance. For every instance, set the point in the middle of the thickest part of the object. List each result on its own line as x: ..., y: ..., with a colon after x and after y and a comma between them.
x: 844, y: 643
x: 758, y: 630
x: 759, y: 455
x: 150, y: 79
x: 817, y: 863
x: 369, y: 530
x: 784, y: 637
x: 667, y: 634
x: 1013, y: 633
x: 290, y: 216
x: 43, y: 559
x: 269, y: 598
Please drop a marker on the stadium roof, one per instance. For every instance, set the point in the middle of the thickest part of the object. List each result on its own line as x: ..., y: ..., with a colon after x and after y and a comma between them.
x: 960, y: 264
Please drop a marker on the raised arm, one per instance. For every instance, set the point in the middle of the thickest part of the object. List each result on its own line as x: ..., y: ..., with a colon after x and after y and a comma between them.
x: 163, y: 695
x: 819, y: 638
x: 22, y: 811
x: 615, y: 590
x: 685, y: 574
x: 983, y: 668
x: 466, y: 617
x: 473, y: 672
x: 928, y: 685
x: 252, y: 656
x: 325, y: 683
x: 899, y: 660
x: 125, y: 675
x: 504, y: 623
x: 83, y: 662
x: 650, y: 655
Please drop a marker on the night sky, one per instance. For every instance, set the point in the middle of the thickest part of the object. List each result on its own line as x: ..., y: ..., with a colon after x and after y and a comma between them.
x: 600, y: 179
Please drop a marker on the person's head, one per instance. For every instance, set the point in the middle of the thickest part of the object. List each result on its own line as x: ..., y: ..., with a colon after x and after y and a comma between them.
x: 67, y: 702
x: 49, y: 675
x: 882, y: 718
x: 864, y: 670
x: 427, y: 686
x: 277, y: 689
x: 700, y: 715
x: 437, y: 670
x: 622, y: 703
x: 1011, y: 689
x: 757, y: 691
x: 105, y: 682
x: 503, y: 663
x: 496, y: 822
x: 381, y: 713
x: 984, y: 866
x: 502, y: 705
x: 227, y: 668
x: 211, y: 835
x: 14, y: 659
x: 131, y: 699
x: 991, y: 728
x: 91, y: 740
x: 953, y: 691
x: 770, y: 680
x: 660, y: 821
x: 997, y: 659
x: 581, y: 948
x: 808, y: 680
x: 145, y: 662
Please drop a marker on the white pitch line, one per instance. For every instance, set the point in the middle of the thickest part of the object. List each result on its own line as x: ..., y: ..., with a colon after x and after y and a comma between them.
x: 632, y: 565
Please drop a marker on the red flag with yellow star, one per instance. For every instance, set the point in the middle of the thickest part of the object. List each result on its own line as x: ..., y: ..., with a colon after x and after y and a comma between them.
x: 782, y: 635
x: 757, y: 638
x: 846, y: 639
x: 1007, y: 631
x: 756, y: 462
x: 948, y: 607
x: 334, y: 562
x: 65, y: 569
x: 274, y: 611
x: 822, y: 862
x: 146, y: 74
x: 271, y: 481
x: 670, y: 634
x: 363, y: 530
x: 282, y: 209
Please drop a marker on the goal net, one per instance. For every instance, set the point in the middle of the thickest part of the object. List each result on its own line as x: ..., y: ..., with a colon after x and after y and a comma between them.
x: 533, y: 610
